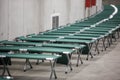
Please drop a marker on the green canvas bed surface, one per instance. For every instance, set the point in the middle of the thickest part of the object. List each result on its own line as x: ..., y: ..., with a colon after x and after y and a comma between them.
x: 71, y: 28
x: 89, y: 35
x: 113, y: 22
x: 1, y: 78
x: 112, y: 28
x: 48, y: 39
x: 20, y: 43
x: 81, y: 25
x: 98, y: 30
x: 63, y: 36
x: 107, y: 25
x: 82, y: 37
x: 64, y: 31
x: 93, y: 28
x: 37, y: 49
x: 55, y: 33
x: 38, y: 39
x: 75, y: 27
x: 75, y: 41
x: 45, y: 36
x: 33, y: 56
x: 101, y: 28
x: 95, y: 32
x: 55, y: 39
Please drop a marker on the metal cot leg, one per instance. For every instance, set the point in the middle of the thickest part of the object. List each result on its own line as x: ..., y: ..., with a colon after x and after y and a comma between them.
x: 69, y: 63
x: 27, y: 63
x: 53, y: 64
x: 103, y: 41
x: 96, y: 46
x: 79, y: 57
x: 5, y: 68
x: 89, y: 53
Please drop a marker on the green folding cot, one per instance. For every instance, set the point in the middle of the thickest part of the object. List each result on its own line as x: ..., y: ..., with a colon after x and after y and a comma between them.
x: 51, y: 58
x: 38, y: 49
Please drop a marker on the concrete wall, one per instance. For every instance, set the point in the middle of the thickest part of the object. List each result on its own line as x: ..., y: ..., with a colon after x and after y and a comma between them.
x: 77, y: 10
x: 4, y: 19
x: 93, y: 10
x: 22, y: 17
x: 51, y: 8
x: 18, y: 17
x: 99, y: 5
x: 68, y: 10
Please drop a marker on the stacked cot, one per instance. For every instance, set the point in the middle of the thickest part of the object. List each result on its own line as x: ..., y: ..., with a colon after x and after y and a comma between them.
x: 64, y: 41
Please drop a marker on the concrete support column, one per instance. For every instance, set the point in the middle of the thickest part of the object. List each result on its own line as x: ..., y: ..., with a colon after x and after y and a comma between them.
x: 4, y: 19
x: 77, y: 10
x: 99, y: 5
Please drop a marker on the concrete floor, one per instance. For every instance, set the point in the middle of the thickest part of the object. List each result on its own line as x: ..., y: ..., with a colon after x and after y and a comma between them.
x: 105, y: 66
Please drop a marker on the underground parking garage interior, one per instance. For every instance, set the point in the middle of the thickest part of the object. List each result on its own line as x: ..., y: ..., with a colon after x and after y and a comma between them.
x: 59, y: 40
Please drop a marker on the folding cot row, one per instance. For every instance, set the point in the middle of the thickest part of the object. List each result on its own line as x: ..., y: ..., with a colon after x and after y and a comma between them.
x: 63, y: 33
x: 26, y: 47
x: 64, y: 41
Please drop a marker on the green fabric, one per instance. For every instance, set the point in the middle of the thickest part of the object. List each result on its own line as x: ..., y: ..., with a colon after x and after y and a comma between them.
x: 97, y: 30
x: 36, y: 49
x: 82, y: 24
x: 101, y: 28
x: 30, y: 56
x: 38, y: 39
x: 4, y: 79
x: 45, y: 36
x: 81, y: 37
x: 75, y: 41
x: 89, y: 35
x: 72, y: 29
x: 56, y: 33
x: 21, y: 43
x: 43, y: 44
x: 65, y: 31
x: 63, y: 59
x: 89, y: 32
x: 64, y: 45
